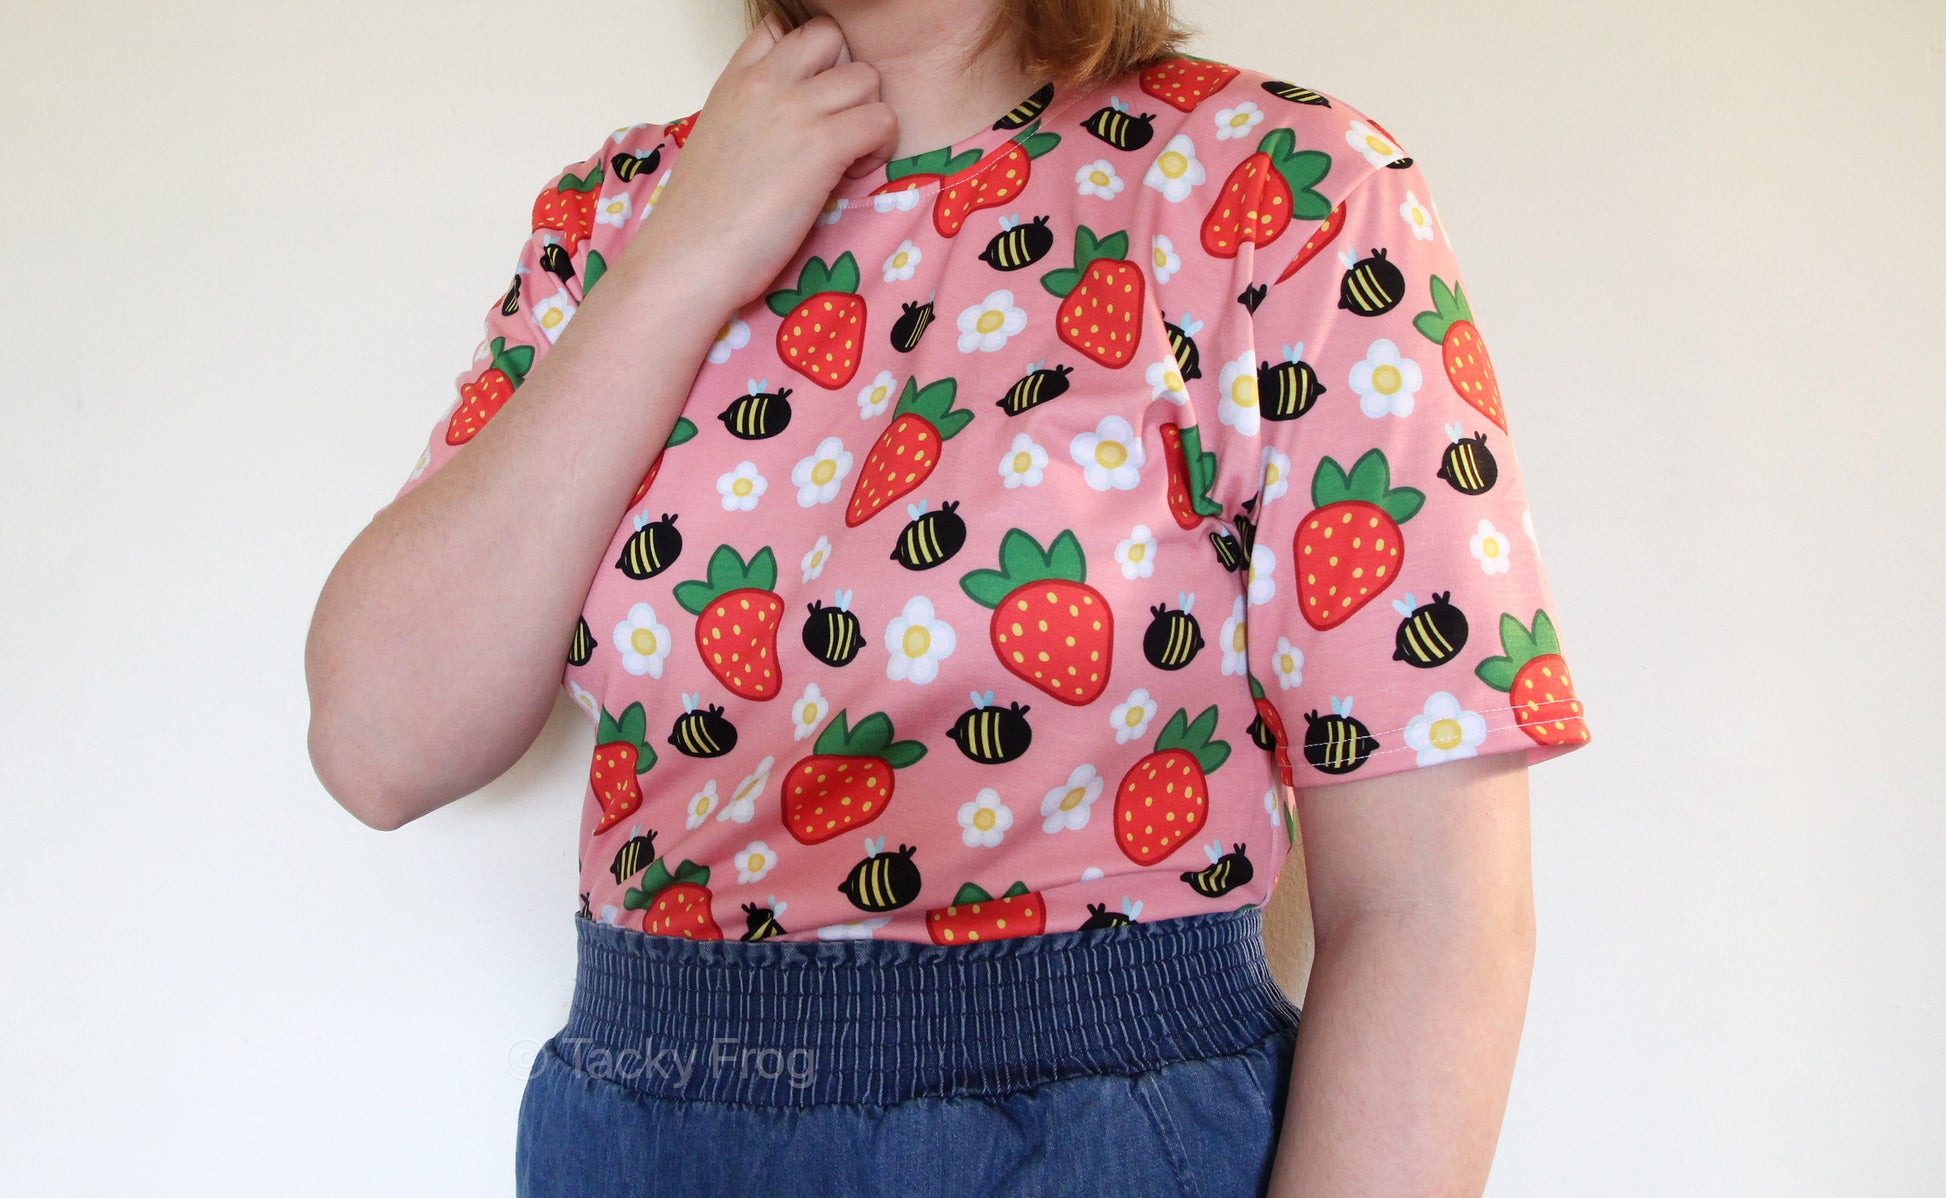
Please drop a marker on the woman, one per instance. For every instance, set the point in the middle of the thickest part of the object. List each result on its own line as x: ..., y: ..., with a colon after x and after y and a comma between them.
x: 997, y: 458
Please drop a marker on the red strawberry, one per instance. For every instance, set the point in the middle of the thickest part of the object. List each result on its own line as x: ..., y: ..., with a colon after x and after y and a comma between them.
x: 976, y: 915
x: 991, y: 181
x: 1192, y: 470
x: 847, y: 781
x: 622, y: 756
x: 568, y: 205
x: 1324, y: 235
x: 1450, y: 326
x: 1267, y: 733
x: 679, y: 132
x: 1349, y: 549
x: 1049, y: 629
x: 1184, y: 82
x: 1535, y: 677
x: 684, y: 430
x: 924, y: 170
x: 907, y: 451
x: 480, y: 399
x: 1102, y: 313
x: 737, y: 612
x: 677, y: 902
x: 1164, y: 798
x: 824, y: 322
x: 1265, y: 193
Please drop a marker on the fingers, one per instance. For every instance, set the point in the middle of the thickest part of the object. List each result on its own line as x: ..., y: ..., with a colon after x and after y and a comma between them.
x: 844, y: 86
x: 759, y: 42
x: 810, y: 48
x: 871, y: 132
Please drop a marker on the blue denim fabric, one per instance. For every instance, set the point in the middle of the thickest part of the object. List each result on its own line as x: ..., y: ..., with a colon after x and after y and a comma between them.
x: 1147, y: 1059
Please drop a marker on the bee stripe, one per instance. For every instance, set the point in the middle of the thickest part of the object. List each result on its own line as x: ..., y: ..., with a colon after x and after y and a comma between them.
x: 838, y: 633
x: 1466, y: 468
x: 1424, y: 638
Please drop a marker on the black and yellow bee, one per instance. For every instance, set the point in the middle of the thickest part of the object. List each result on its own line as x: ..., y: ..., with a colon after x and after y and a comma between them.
x: 653, y: 548
x: 931, y: 537
x: 761, y: 922
x: 702, y: 733
x: 558, y: 261
x: 759, y: 414
x: 1246, y: 526
x: 1028, y: 109
x: 1226, y: 871
x: 1294, y: 93
x: 1099, y: 916
x: 1467, y: 464
x: 1114, y: 125
x: 992, y: 735
x: 911, y: 325
x: 510, y: 302
x: 581, y: 648
x: 1337, y: 744
x: 1037, y: 387
x: 1261, y: 734
x: 634, y: 856
x: 882, y: 881
x: 1182, y: 343
x: 1371, y: 286
x: 1229, y: 553
x: 832, y: 634
x: 1174, y: 637
x: 1288, y: 389
x: 626, y: 166
x: 1431, y: 635
x: 1253, y: 295
x: 583, y: 912
x: 1016, y: 245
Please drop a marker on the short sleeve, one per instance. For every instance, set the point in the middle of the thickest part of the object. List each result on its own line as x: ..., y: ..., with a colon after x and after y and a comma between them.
x: 556, y: 264
x: 1399, y: 616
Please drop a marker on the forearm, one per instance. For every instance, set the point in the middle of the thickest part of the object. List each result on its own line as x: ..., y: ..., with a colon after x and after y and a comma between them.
x: 1406, y: 1051
x: 440, y: 636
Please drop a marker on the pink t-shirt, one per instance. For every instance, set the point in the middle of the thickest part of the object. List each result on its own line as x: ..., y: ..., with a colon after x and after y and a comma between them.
x: 1077, y: 489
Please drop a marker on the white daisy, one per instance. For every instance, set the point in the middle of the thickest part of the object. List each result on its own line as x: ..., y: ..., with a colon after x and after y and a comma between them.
x: 1165, y: 382
x: 1232, y: 123
x: 1378, y: 149
x: 1386, y: 381
x: 700, y: 805
x: 655, y: 196
x: 808, y: 713
x: 917, y: 643
x: 1491, y: 549
x: 1277, y: 473
x: 904, y: 260
x: 986, y: 325
x: 742, y: 806
x: 1023, y: 463
x: 732, y: 337
x: 741, y: 488
x: 585, y: 699
x: 1263, y: 574
x: 552, y: 314
x: 643, y: 641
x: 1111, y: 457
x: 1235, y: 641
x: 819, y: 476
x: 834, y: 207
x: 613, y: 210
x: 877, y: 395
x: 1130, y: 719
x: 1445, y: 730
x: 1091, y: 873
x: 1098, y: 178
x: 1238, y: 408
x: 857, y: 929
x: 1416, y: 215
x: 1137, y: 553
x: 905, y: 199
x: 1176, y: 172
x: 1287, y: 663
x: 1273, y: 805
x: 753, y: 861
x: 1162, y: 252
x: 814, y: 559
x: 1066, y: 807
x: 984, y: 820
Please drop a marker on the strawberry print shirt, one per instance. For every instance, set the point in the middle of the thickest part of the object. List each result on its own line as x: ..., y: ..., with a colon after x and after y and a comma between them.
x: 1076, y: 491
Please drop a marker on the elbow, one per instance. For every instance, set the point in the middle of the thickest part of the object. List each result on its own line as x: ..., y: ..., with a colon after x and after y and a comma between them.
x: 367, y: 801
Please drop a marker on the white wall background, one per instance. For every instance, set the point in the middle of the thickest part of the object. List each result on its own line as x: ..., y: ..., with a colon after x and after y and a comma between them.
x: 247, y: 247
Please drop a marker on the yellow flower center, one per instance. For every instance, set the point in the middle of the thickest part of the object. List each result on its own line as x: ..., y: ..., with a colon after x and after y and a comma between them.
x: 723, y: 334
x: 1379, y: 145
x: 1161, y: 258
x: 1111, y: 454
x: 757, y: 863
x: 1023, y: 462
x: 1386, y: 379
x: 809, y: 713
x: 1272, y: 475
x: 879, y: 395
x: 642, y: 640
x: 1076, y: 796
x: 1139, y: 551
x: 553, y: 318
x: 1490, y: 546
x: 990, y: 320
x: 1286, y: 664
x: 1445, y: 734
x: 1098, y: 178
x: 984, y: 819
x: 824, y: 472
x: 1239, y: 640
x: 1239, y: 119
x: 1135, y: 716
x: 900, y: 259
x: 1243, y: 392
x: 1172, y: 164
x: 742, y: 487
x: 916, y: 641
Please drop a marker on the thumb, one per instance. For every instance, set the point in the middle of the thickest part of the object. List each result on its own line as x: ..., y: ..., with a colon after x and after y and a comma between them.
x: 758, y: 43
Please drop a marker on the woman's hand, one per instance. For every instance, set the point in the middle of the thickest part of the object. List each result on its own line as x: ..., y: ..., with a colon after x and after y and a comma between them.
x: 789, y: 117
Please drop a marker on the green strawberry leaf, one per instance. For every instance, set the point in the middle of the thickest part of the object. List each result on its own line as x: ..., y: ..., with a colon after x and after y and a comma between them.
x: 683, y: 431
x: 933, y: 162
x: 902, y: 753
x: 843, y: 275
x: 1016, y: 890
x: 934, y: 404
x: 515, y: 362
x: 634, y: 724
x: 870, y: 736
x: 1065, y: 560
x: 591, y: 273
x: 1202, y: 472
x: 1497, y: 672
x: 1546, y: 640
x: 971, y: 893
x: 727, y: 572
x: 835, y: 738
x: 1328, y: 484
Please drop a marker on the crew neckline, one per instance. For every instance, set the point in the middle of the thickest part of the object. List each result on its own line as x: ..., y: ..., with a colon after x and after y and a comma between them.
x: 972, y: 150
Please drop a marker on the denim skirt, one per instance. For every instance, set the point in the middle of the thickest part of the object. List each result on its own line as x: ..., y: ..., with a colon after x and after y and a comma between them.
x: 1144, y: 1059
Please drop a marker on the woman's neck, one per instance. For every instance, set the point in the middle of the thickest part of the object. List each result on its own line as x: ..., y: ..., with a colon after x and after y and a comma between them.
x: 920, y: 48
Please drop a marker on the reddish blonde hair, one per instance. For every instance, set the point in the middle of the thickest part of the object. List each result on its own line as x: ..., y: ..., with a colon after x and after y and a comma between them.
x: 1083, y: 41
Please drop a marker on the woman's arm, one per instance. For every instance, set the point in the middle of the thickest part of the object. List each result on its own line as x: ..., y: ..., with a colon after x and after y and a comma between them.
x: 1422, y: 895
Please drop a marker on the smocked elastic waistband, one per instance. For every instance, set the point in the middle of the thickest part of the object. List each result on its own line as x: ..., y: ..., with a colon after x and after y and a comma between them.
x: 798, y: 1023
